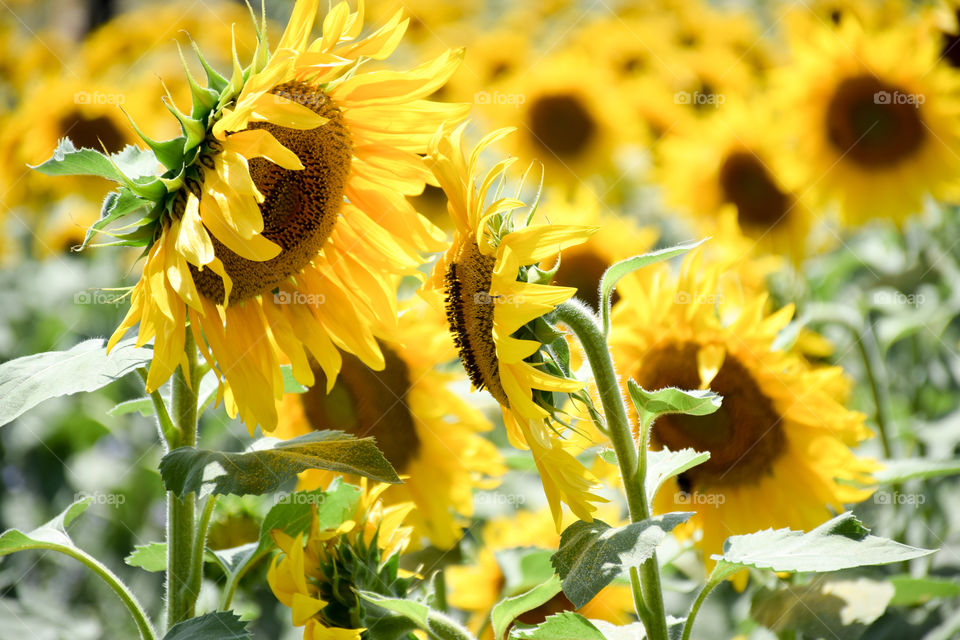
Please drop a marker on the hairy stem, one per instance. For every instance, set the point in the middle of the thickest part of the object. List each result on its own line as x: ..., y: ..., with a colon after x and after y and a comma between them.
x: 587, y: 329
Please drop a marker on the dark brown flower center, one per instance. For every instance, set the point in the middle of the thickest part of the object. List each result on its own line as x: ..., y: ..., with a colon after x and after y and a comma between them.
x: 951, y: 46
x: 582, y: 267
x: 744, y: 436
x: 88, y: 133
x: 873, y: 123
x: 746, y: 183
x: 561, y: 125
x: 300, y: 207
x: 470, y: 316
x: 366, y: 403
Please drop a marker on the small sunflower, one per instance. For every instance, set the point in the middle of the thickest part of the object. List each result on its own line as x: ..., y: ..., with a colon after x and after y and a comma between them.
x: 876, y: 128
x: 319, y: 571
x: 574, y: 128
x: 731, y: 158
x: 492, y: 296
x: 781, y: 438
x: 475, y: 588
x: 429, y: 435
x: 284, y: 225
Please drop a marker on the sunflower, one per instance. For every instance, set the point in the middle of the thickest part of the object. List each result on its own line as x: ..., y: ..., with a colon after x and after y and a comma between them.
x: 424, y: 429
x: 318, y: 571
x: 289, y: 227
x: 475, y: 588
x: 731, y: 158
x: 490, y: 302
x: 876, y: 130
x: 574, y: 128
x: 781, y: 438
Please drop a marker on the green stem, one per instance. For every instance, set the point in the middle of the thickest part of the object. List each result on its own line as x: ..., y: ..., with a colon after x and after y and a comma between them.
x: 695, y: 607
x: 587, y: 329
x: 181, y: 512
x: 200, y: 544
x: 115, y: 583
x: 168, y: 432
x: 233, y: 580
x: 867, y: 345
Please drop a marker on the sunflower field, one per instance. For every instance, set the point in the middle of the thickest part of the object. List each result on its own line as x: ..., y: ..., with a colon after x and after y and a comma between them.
x: 480, y: 319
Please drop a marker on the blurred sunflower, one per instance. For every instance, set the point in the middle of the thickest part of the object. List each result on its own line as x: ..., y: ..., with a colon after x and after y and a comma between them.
x: 490, y: 302
x: 732, y: 157
x: 291, y: 226
x: 573, y: 128
x: 476, y: 588
x: 318, y: 574
x: 782, y: 437
x: 424, y: 429
x: 876, y: 128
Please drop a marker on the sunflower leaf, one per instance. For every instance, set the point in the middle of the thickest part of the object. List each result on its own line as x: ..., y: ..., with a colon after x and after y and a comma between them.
x: 619, y: 270
x: 652, y: 404
x: 221, y: 625
x: 841, y: 609
x: 506, y: 611
x: 51, y: 535
x: 910, y: 591
x: 566, y: 625
x: 28, y: 381
x: 592, y: 554
x: 898, y: 471
x: 269, y: 463
x: 67, y: 160
x: 840, y: 543
x: 151, y: 557
x: 665, y: 464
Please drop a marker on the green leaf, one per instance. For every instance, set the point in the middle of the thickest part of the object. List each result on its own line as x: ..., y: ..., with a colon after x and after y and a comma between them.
x: 665, y: 464
x: 234, y: 559
x: 840, y: 543
x: 116, y: 205
x: 221, y: 625
x: 51, y: 535
x: 651, y: 404
x: 152, y: 556
x: 269, y: 463
x: 67, y: 160
x: 435, y: 623
x: 841, y: 609
x: 908, y: 591
x: 592, y: 554
x: 506, y: 611
x: 143, y: 406
x: 899, y: 471
x: 524, y: 568
x: 619, y: 270
x: 566, y: 625
x: 636, y: 631
x: 28, y: 381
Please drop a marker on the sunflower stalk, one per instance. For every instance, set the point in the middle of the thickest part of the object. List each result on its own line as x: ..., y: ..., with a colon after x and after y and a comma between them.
x: 645, y: 580
x: 181, y: 593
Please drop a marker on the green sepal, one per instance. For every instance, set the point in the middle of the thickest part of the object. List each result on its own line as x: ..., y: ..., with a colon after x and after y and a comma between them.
x: 214, y: 80
x: 116, y: 205
x: 168, y: 152
x: 194, y: 130
x: 203, y: 99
